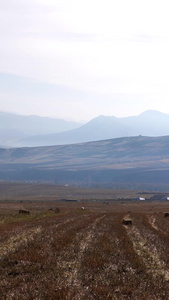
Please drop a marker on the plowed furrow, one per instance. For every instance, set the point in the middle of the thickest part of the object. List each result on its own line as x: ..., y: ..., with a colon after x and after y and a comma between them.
x: 73, y: 264
x: 150, y: 257
x: 16, y: 241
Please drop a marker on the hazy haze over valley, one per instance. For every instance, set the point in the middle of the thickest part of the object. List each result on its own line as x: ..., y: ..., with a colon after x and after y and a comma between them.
x: 21, y: 131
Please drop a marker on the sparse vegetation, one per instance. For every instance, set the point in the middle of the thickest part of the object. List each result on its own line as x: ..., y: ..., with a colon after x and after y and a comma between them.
x: 61, y: 251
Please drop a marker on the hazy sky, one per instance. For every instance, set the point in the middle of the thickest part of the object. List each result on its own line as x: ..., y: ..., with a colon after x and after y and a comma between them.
x: 79, y: 59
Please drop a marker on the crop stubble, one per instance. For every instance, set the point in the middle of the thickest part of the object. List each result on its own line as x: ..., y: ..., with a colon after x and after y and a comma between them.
x: 86, y: 254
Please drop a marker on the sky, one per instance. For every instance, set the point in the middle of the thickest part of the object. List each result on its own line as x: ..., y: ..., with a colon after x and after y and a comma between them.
x: 76, y: 60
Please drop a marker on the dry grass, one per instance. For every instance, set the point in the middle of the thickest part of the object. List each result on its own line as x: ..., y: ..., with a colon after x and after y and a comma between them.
x: 74, y: 253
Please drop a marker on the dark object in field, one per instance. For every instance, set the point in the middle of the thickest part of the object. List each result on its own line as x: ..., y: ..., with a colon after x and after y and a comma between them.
x: 13, y: 274
x: 23, y: 211
x: 57, y: 210
x: 166, y: 214
x: 127, y: 221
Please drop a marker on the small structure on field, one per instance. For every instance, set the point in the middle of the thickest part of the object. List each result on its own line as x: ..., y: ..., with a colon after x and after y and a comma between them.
x: 24, y: 211
x: 127, y: 221
x: 69, y: 200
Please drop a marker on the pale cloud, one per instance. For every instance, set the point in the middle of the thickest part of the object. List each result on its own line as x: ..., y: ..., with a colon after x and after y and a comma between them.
x: 109, y: 57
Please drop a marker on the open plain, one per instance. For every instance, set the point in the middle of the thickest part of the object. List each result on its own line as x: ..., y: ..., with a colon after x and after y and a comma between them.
x: 69, y: 243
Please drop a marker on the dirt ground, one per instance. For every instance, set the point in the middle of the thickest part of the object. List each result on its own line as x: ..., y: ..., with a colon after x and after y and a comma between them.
x: 77, y: 248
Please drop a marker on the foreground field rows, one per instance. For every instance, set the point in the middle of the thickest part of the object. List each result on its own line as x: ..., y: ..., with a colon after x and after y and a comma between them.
x: 84, y: 254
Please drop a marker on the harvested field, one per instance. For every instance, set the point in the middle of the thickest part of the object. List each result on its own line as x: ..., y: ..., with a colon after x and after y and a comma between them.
x: 83, y: 250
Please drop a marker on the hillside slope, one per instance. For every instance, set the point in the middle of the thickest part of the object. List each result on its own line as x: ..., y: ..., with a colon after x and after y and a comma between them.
x: 128, y: 161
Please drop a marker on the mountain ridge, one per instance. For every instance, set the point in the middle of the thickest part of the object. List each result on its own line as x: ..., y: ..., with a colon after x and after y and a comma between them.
x: 14, y: 127
x: 23, y: 131
x: 107, y: 127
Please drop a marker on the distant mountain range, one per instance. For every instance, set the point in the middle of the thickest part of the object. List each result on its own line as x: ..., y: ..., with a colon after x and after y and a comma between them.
x: 14, y: 128
x: 132, y: 162
x: 21, y: 131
